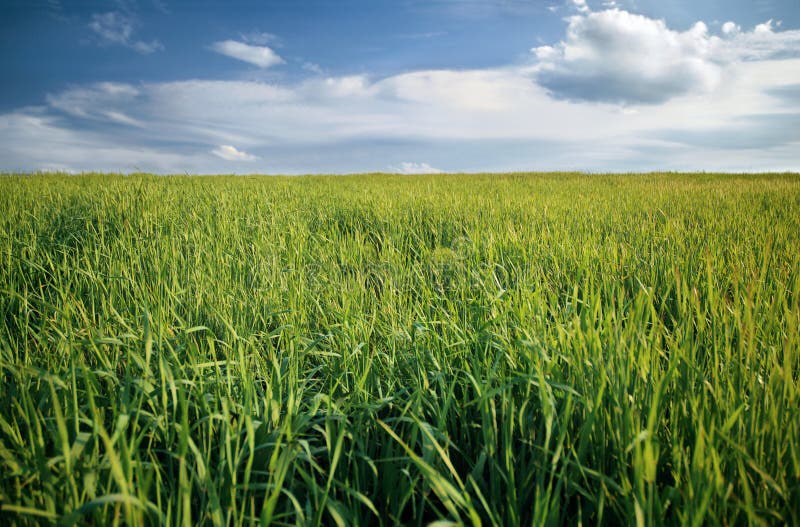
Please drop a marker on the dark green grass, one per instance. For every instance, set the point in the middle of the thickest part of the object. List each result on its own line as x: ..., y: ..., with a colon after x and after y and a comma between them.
x: 370, y: 350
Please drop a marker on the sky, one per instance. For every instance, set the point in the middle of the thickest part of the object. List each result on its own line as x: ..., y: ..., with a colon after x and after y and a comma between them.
x: 405, y: 86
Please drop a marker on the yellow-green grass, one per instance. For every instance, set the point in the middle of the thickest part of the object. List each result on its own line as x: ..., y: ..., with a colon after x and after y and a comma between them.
x: 525, y: 349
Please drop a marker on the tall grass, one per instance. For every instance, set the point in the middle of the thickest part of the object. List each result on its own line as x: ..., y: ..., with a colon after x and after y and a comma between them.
x: 373, y: 350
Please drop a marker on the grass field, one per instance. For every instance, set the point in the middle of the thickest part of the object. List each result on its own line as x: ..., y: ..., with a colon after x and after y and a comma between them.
x: 369, y: 350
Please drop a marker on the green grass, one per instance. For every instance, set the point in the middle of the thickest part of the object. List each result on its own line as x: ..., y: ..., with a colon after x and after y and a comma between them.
x: 370, y: 350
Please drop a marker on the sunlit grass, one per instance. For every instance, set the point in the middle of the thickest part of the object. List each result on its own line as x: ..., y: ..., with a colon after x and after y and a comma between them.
x: 372, y: 350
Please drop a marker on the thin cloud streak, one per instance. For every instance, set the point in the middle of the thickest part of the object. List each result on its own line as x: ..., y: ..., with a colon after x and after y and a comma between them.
x: 261, y: 56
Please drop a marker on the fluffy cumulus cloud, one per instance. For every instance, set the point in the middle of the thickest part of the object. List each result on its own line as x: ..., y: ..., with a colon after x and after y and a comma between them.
x: 696, y: 101
x: 730, y: 28
x: 261, y: 56
x: 616, y: 56
x: 117, y: 28
x: 620, y: 57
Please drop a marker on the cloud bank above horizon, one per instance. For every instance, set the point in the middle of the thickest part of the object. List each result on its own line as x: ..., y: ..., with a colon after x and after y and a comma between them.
x: 618, y: 91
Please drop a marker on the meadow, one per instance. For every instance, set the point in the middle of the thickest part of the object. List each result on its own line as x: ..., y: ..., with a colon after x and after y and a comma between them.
x: 494, y: 349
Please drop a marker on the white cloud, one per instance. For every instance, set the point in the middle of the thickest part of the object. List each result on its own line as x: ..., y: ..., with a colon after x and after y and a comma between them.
x: 474, y: 91
x: 350, y: 86
x: 580, y: 5
x: 260, y: 38
x: 762, y: 43
x: 730, y: 28
x: 482, y: 119
x: 121, y: 118
x: 313, y: 68
x: 764, y: 28
x: 616, y: 56
x: 230, y: 153
x: 465, y: 120
x: 260, y: 56
x: 546, y: 53
x: 118, y: 28
x: 104, y: 101
x: 32, y: 139
x: 619, y: 57
x: 415, y: 168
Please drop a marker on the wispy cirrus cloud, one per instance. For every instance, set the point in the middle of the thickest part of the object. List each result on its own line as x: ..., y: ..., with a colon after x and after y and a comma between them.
x: 118, y: 28
x: 95, y: 102
x: 580, y: 5
x: 411, y: 168
x: 261, y: 56
x: 260, y: 38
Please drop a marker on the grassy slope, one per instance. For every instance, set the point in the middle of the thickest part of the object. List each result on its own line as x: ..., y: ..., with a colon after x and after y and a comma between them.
x: 516, y: 349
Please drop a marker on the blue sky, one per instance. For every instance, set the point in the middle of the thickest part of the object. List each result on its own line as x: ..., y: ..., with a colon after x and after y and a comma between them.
x: 405, y: 86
